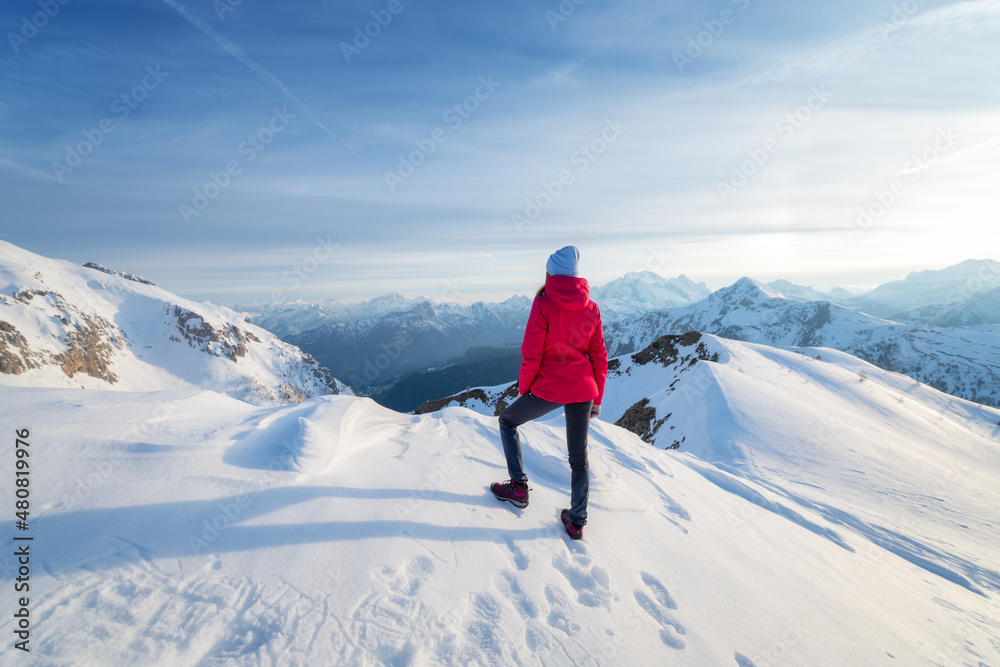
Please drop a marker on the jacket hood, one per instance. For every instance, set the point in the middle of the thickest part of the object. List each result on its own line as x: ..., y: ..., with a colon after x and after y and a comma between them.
x: 569, y: 292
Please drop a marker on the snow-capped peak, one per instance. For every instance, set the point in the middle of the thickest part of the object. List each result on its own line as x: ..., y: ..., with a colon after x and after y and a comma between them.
x: 639, y: 292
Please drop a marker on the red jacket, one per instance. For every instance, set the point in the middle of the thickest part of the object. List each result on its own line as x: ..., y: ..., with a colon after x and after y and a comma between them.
x: 563, y: 359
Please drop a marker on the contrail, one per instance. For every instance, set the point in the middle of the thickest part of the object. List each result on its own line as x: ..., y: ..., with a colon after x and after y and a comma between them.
x: 257, y: 68
x: 975, y: 148
x: 10, y: 165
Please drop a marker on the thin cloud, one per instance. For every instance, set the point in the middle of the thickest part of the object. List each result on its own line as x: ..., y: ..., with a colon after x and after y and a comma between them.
x: 254, y: 66
x: 557, y: 77
x: 22, y: 170
x: 915, y: 29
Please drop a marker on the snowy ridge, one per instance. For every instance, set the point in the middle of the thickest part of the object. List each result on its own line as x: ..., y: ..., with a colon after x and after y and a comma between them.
x: 67, y: 326
x: 810, y: 517
x: 964, y: 361
x: 752, y: 410
x: 644, y: 291
x: 750, y: 310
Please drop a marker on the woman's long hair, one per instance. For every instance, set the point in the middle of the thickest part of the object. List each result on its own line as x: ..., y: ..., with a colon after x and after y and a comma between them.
x: 541, y: 290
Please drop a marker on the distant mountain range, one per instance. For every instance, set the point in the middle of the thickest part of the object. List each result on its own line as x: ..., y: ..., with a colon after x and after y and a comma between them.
x: 927, y: 336
x: 964, y: 361
x: 63, y: 325
x: 919, y: 297
x: 372, y: 343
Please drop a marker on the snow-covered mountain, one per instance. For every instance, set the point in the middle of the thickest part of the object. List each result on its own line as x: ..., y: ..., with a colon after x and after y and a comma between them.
x: 802, y: 292
x: 63, y: 325
x: 373, y: 350
x: 644, y: 291
x: 289, y: 319
x: 982, y: 308
x: 962, y: 361
x: 373, y: 342
x: 951, y: 286
x: 923, y: 297
x: 750, y: 310
x: 817, y: 511
x: 628, y: 296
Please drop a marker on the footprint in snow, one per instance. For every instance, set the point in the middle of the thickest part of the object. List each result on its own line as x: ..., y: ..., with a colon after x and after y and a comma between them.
x: 413, y: 575
x: 516, y: 596
x: 558, y: 606
x: 521, y: 559
x: 592, y: 583
x: 657, y: 606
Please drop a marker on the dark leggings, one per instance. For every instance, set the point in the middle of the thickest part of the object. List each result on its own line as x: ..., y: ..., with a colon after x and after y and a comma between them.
x: 529, y: 407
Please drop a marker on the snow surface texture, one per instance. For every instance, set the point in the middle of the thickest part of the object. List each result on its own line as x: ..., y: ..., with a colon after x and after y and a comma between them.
x: 71, y: 326
x: 819, y: 512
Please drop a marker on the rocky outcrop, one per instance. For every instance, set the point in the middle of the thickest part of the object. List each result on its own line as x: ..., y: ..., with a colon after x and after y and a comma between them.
x: 89, y: 350
x: 15, y: 356
x: 499, y: 400
x: 664, y: 350
x: 121, y: 274
x: 89, y: 340
x: 641, y: 420
x: 679, y: 353
x: 229, y: 342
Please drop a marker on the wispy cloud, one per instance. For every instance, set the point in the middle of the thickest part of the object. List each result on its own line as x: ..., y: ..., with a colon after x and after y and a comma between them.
x: 561, y: 76
x: 256, y: 67
x: 23, y: 170
x: 897, y: 29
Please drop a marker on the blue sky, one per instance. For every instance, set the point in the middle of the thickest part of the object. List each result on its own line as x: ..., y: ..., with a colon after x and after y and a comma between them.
x: 252, y: 156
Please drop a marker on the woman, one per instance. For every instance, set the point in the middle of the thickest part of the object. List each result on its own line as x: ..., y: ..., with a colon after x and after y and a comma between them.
x: 563, y: 363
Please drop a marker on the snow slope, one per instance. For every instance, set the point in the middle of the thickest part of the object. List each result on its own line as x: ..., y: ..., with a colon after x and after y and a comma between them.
x: 810, y: 517
x: 63, y: 325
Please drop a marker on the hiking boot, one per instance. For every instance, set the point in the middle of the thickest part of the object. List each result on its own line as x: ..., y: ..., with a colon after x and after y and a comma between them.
x: 515, y: 493
x: 574, y: 531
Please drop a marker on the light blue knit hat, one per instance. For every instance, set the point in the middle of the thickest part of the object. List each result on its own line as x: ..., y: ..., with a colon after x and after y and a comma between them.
x: 564, y: 262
